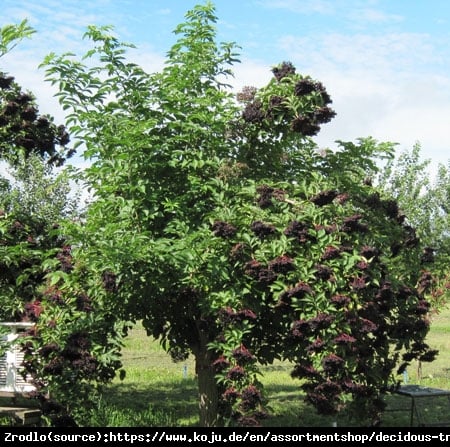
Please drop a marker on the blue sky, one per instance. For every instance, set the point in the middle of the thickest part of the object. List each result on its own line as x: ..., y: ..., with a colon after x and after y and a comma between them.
x: 385, y: 63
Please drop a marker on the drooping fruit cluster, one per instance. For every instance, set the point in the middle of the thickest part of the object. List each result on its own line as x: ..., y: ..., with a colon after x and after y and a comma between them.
x: 299, y: 101
x: 22, y: 128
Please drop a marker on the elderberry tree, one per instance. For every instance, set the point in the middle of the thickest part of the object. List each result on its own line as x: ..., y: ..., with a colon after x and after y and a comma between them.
x: 231, y: 236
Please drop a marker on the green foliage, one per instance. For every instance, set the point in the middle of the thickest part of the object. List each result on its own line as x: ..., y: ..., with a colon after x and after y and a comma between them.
x: 11, y: 35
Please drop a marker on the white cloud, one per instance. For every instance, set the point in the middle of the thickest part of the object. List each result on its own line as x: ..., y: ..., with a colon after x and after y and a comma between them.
x: 377, y: 54
x: 302, y: 6
x: 371, y: 15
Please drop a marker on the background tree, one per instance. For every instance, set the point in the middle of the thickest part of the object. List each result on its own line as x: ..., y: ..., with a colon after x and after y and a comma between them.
x: 231, y: 236
x: 70, y: 348
x: 423, y: 199
x: 34, y: 199
x: 22, y: 130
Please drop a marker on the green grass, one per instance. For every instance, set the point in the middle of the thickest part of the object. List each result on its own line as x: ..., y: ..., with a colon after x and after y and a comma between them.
x: 158, y: 392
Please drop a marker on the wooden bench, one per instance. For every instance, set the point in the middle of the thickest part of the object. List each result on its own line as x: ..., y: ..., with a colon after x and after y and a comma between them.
x: 13, y: 386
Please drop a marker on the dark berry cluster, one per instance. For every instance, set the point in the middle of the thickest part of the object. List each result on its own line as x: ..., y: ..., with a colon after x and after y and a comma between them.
x: 258, y: 271
x: 302, y: 371
x: 283, y: 70
x: 332, y: 363
x: 263, y: 230
x: 304, y: 87
x: 330, y: 252
x: 75, y: 356
x: 231, y: 395
x: 49, y: 349
x: 253, y: 112
x: 427, y: 255
x: 230, y: 316
x: 242, y: 356
x: 370, y: 252
x: 324, y: 197
x: 223, y: 229
x: 316, y: 346
x: 323, y: 115
x: 353, y: 224
x: 267, y: 194
x: 54, y: 367
x: 320, y: 88
x: 282, y: 265
x: 64, y: 256
x: 344, y: 339
x: 423, y: 307
x: 253, y: 268
x: 323, y: 272
x: 298, y: 291
x: 305, y: 125
x: 32, y: 310
x: 236, y: 373
x: 221, y: 363
x: 22, y: 126
x: 109, y: 281
x: 323, y: 404
x: 278, y: 266
x: 391, y: 208
x: 300, y: 328
x: 299, y: 231
x: 425, y: 282
x: 341, y: 300
x: 84, y: 303
x: 250, y: 398
x: 6, y: 81
x: 320, y: 321
x: 366, y: 326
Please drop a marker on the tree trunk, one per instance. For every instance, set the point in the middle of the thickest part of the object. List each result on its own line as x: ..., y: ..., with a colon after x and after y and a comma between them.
x: 207, y: 386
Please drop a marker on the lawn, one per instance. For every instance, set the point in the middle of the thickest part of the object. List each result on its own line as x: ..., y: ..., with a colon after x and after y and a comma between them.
x: 159, y: 392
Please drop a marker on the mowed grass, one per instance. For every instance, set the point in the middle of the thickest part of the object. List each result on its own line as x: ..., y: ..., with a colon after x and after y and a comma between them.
x: 158, y: 392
